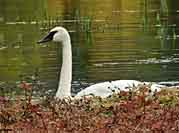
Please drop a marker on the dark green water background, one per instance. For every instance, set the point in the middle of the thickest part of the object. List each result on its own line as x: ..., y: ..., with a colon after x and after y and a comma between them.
x: 111, y: 39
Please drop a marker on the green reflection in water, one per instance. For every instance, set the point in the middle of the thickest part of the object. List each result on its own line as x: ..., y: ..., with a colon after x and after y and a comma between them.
x: 111, y: 39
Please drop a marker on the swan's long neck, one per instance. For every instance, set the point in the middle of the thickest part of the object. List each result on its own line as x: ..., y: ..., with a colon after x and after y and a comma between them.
x: 64, y: 87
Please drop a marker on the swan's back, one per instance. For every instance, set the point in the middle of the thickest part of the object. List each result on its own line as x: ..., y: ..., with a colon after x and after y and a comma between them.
x: 106, y: 89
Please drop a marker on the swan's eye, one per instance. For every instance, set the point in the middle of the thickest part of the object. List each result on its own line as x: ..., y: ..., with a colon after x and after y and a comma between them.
x: 48, y: 37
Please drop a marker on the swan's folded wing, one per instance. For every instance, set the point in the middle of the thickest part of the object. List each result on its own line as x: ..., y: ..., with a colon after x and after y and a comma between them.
x: 101, y: 89
x: 106, y: 89
x: 126, y: 85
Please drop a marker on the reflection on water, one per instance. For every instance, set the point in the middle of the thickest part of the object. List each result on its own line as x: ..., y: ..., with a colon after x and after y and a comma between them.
x: 111, y: 40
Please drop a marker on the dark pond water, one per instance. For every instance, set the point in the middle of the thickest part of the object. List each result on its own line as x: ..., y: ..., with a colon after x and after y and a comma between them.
x: 111, y: 39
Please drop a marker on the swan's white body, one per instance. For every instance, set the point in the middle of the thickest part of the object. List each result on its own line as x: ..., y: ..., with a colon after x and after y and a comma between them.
x: 104, y: 89
x: 107, y: 88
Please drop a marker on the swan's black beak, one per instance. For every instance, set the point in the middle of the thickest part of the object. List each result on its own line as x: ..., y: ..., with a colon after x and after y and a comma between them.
x: 47, y: 38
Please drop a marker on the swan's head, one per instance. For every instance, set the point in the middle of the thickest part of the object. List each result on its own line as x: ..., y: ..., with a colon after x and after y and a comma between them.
x: 57, y: 34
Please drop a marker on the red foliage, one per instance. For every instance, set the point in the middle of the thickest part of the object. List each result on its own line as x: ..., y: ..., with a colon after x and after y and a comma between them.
x: 26, y: 86
x: 127, y: 113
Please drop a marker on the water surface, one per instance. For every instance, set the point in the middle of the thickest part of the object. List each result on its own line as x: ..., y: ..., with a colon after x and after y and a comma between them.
x: 111, y: 39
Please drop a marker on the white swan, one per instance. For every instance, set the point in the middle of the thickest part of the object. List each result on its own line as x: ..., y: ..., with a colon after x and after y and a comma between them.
x: 104, y: 89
